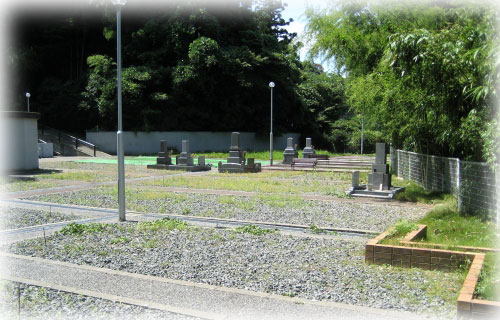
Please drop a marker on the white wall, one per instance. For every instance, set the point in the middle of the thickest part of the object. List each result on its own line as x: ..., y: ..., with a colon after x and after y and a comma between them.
x: 19, y: 141
x: 149, y: 142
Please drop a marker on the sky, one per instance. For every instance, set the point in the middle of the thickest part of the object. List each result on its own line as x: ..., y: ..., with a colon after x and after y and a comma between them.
x: 296, y: 10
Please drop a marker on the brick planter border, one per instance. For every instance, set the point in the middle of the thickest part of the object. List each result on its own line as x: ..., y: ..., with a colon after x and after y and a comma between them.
x: 436, y: 259
x: 421, y: 233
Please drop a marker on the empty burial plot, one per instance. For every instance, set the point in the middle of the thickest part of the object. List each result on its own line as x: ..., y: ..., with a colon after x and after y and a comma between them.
x: 320, y: 268
x: 44, y: 303
x: 264, y: 208
x: 8, y: 184
x: 14, y: 218
x: 67, y: 173
x: 320, y: 183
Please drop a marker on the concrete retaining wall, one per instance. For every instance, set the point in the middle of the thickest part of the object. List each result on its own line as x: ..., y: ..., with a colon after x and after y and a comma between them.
x: 149, y: 142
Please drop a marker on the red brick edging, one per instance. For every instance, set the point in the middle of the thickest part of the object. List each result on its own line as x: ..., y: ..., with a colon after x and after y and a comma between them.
x: 436, y: 259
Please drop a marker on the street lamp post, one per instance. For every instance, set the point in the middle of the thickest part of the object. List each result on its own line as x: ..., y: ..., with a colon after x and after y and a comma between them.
x: 119, y: 134
x: 362, y: 131
x: 28, y: 95
x: 271, y: 85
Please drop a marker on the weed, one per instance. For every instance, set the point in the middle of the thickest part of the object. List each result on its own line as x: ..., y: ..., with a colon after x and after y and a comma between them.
x: 252, y: 229
x: 78, y: 229
x: 402, y: 227
x: 289, y: 294
x: 163, y: 224
x: 315, y: 229
x: 489, y: 279
x: 120, y: 240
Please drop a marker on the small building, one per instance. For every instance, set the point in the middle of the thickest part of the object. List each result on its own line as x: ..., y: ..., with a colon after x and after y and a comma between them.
x: 18, y: 141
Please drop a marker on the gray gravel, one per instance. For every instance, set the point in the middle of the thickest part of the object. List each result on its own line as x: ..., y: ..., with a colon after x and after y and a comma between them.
x: 276, y: 208
x: 44, y: 303
x: 13, y: 218
x: 313, y: 268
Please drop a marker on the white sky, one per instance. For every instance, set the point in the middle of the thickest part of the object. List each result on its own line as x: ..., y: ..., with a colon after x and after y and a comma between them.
x: 296, y: 10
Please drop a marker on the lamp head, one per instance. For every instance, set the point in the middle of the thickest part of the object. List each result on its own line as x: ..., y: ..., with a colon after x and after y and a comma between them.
x: 271, y: 84
x: 28, y: 95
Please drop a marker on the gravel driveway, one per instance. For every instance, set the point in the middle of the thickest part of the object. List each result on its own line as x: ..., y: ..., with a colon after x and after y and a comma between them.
x: 311, y: 267
x: 266, y: 208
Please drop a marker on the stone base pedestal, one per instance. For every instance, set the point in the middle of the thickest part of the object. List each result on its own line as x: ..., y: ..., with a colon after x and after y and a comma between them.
x: 288, y: 157
x: 379, y: 181
x: 192, y: 168
x: 362, y: 191
x: 249, y: 167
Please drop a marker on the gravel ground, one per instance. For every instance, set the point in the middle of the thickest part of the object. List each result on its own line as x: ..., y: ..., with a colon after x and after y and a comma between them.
x: 14, y: 218
x: 313, y: 268
x: 276, y: 208
x: 44, y: 303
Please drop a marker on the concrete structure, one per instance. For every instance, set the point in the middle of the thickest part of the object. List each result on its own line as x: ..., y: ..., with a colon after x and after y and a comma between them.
x: 19, y: 141
x: 45, y: 150
x: 140, y: 143
x: 236, y: 162
x: 290, y: 152
x: 184, y: 161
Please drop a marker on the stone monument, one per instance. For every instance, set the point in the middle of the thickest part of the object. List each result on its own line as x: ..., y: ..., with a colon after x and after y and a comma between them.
x: 379, y: 179
x: 290, y: 152
x: 184, y: 161
x: 163, y: 156
x: 308, y: 151
x: 236, y: 163
x: 185, y: 157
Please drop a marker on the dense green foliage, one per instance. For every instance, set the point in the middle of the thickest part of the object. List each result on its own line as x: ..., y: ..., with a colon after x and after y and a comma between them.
x: 424, y: 74
x: 187, y: 65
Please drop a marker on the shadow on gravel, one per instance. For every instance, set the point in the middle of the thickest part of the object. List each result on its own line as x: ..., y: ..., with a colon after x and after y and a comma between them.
x: 28, y: 175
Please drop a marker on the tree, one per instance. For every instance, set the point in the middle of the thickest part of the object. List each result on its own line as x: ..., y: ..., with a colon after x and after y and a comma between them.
x: 205, y: 70
x: 422, y: 73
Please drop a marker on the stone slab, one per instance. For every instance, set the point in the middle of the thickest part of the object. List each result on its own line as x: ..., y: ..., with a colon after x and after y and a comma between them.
x: 179, y: 167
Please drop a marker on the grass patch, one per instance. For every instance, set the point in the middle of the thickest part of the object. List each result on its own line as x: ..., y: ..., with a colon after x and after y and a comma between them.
x: 446, y: 226
x: 252, y: 229
x: 324, y: 183
x: 15, y: 185
x: 488, y: 286
x: 163, y: 224
x: 315, y: 229
x: 415, y: 193
x: 78, y: 229
x: 77, y: 176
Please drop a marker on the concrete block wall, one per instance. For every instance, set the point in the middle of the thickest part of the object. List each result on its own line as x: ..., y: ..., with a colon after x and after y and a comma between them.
x: 137, y: 143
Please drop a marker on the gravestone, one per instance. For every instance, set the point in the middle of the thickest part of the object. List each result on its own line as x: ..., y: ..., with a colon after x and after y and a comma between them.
x: 290, y: 152
x: 355, y: 179
x: 163, y: 156
x: 308, y: 151
x: 235, y: 151
x: 201, y: 160
x: 379, y: 178
x: 184, y: 161
x: 185, y: 156
x: 236, y: 161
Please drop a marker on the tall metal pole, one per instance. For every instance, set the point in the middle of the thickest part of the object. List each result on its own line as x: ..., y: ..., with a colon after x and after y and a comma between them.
x: 28, y: 95
x: 271, y: 85
x: 362, y: 131
x: 119, y: 134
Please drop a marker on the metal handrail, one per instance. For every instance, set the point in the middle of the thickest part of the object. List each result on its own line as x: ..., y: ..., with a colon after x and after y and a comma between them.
x: 71, y: 138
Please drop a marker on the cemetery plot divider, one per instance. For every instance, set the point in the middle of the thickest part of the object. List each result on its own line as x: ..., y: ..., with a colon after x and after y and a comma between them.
x: 476, y: 184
